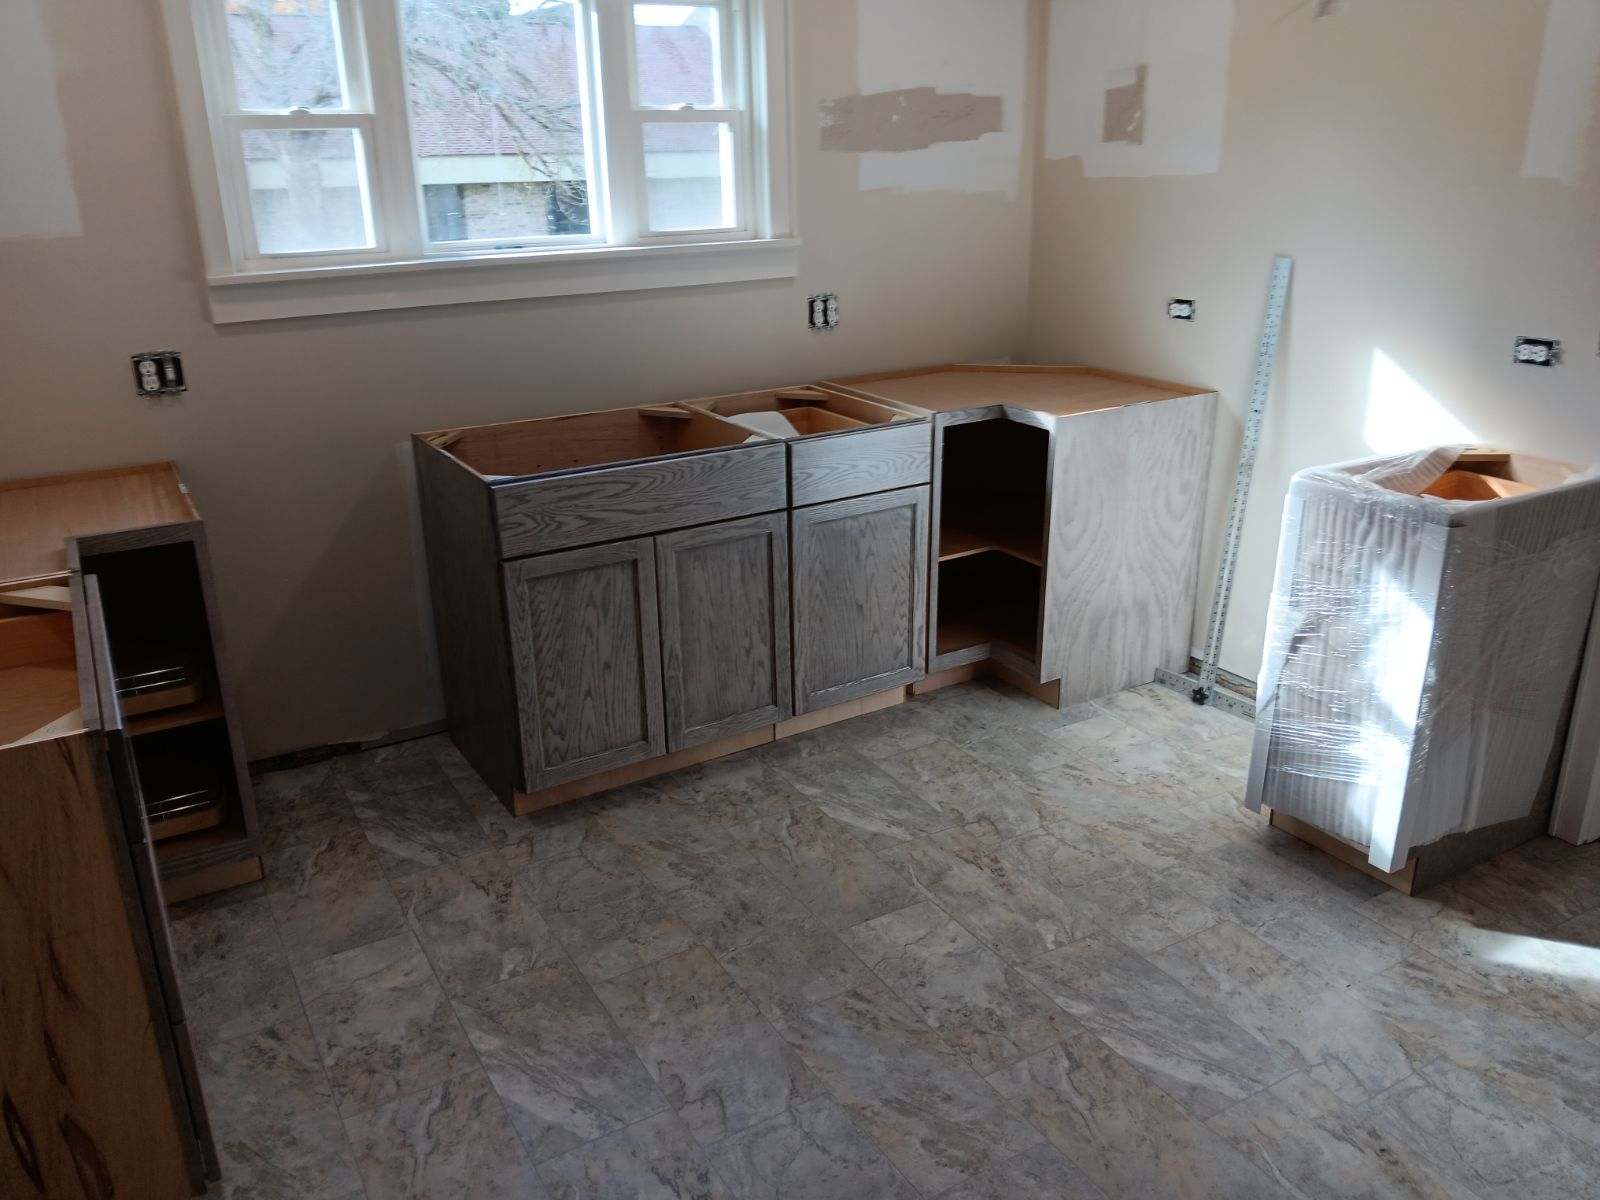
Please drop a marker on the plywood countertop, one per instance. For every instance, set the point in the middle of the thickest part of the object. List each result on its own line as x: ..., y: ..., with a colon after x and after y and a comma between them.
x: 37, y: 516
x: 1055, y: 390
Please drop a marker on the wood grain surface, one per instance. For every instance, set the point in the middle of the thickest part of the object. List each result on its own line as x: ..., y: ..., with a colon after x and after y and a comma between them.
x: 1127, y: 502
x: 724, y: 628
x: 86, y: 1097
x: 860, y: 596
x: 860, y: 462
x: 539, y: 515
x: 586, y: 649
x: 469, y: 617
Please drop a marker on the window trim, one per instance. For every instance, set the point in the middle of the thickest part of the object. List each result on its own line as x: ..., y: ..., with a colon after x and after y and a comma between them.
x: 404, y: 271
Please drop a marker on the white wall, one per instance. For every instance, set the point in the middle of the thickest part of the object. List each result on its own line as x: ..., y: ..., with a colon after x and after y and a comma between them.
x: 1437, y: 188
x: 292, y: 434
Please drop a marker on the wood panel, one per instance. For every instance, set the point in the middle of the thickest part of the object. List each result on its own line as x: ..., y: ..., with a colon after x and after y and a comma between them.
x: 237, y: 837
x: 586, y: 649
x: 469, y: 617
x: 39, y: 516
x: 88, y: 1099
x: 1058, y: 390
x: 860, y: 596
x: 514, y: 449
x: 859, y: 462
x: 724, y: 628
x: 1127, y: 500
x: 554, y: 513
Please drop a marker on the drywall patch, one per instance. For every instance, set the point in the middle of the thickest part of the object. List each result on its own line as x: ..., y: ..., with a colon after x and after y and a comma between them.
x: 1124, y: 111
x: 1564, y: 97
x: 909, y: 119
x: 36, y: 195
x: 1184, y: 46
x: 955, y: 47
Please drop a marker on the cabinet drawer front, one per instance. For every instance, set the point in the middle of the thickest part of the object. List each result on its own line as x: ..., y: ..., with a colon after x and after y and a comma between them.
x: 587, y: 507
x: 860, y: 462
x: 860, y: 596
x: 724, y: 628
x: 586, y: 653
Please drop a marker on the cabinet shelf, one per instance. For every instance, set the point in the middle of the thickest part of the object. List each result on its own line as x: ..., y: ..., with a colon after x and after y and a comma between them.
x: 209, y: 709
x: 959, y: 540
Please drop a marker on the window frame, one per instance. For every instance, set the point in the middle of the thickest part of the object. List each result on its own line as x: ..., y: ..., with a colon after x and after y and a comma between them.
x: 403, y: 268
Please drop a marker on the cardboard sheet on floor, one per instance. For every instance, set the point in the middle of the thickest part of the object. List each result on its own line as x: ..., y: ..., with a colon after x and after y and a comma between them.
x: 1421, y: 651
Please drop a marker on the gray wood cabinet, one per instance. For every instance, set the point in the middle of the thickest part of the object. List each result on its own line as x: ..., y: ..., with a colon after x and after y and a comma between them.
x: 586, y: 655
x: 860, y: 596
x: 724, y: 628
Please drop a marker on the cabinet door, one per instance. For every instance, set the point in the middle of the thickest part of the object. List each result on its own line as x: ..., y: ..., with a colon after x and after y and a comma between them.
x: 860, y: 596
x: 724, y: 628
x: 586, y: 652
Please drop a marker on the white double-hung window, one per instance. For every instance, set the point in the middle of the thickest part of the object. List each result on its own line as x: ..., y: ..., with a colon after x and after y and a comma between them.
x: 358, y: 154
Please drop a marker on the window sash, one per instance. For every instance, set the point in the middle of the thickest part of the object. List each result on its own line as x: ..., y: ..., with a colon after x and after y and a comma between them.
x: 372, y: 59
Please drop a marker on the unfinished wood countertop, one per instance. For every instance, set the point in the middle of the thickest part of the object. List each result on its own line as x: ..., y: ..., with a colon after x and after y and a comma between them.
x: 1054, y: 390
x: 37, y: 516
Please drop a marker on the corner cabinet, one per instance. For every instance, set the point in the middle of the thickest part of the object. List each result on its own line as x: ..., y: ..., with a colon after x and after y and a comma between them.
x: 860, y: 596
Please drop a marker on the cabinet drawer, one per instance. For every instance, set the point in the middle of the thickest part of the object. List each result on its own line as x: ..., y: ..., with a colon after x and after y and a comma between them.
x: 859, y: 462
x: 634, y: 499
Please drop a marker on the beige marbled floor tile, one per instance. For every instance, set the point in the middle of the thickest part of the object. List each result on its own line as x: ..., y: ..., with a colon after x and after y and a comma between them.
x: 235, y: 972
x: 963, y: 788
x: 734, y: 905
x: 985, y: 1010
x: 817, y: 861
x: 1185, y: 1043
x: 449, y: 1142
x: 1042, y: 1173
x: 1127, y: 1135
x: 655, y: 1159
x: 705, y: 1043
x: 876, y: 802
x: 795, y: 966
x: 810, y: 1152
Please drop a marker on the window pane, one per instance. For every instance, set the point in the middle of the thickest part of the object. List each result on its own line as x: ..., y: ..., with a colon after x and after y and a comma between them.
x: 497, y: 118
x: 679, y: 55
x: 689, y: 175
x: 308, y: 190
x: 285, y: 54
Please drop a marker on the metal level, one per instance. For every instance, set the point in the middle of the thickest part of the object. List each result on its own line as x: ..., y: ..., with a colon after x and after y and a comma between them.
x: 1205, y: 688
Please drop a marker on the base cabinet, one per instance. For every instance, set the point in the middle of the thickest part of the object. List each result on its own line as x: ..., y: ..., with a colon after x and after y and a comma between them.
x: 586, y: 654
x: 724, y: 628
x: 860, y: 596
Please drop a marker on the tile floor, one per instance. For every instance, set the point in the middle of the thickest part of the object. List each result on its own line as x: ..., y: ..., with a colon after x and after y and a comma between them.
x: 966, y: 947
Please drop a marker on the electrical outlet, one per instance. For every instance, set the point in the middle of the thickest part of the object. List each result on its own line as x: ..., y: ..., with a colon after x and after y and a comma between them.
x: 1180, y: 310
x: 822, y: 312
x: 158, y: 373
x: 1536, y: 352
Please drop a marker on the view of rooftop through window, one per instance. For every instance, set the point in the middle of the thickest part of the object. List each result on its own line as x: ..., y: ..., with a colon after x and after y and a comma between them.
x: 502, y: 136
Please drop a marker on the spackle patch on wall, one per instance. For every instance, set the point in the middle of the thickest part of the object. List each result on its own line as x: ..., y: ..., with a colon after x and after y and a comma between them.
x: 36, y: 195
x: 908, y: 119
x: 1124, y: 111
x: 951, y: 48
x: 1163, y: 116
x: 1565, y: 96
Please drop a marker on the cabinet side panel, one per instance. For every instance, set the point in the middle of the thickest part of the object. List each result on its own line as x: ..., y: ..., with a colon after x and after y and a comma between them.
x: 469, y: 617
x: 1127, y: 506
x: 86, y: 1090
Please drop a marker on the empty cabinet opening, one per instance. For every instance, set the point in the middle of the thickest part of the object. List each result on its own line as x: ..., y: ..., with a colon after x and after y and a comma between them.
x: 800, y: 412
x: 991, y: 536
x: 586, y: 440
x: 990, y: 599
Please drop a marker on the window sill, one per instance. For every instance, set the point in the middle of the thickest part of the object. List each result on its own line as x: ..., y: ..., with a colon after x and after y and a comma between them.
x: 469, y: 279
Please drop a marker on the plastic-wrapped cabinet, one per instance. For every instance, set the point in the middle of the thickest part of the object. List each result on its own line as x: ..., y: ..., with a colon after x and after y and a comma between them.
x: 1420, y: 651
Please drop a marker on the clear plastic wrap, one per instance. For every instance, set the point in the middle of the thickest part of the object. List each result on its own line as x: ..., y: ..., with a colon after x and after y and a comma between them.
x: 1421, y: 652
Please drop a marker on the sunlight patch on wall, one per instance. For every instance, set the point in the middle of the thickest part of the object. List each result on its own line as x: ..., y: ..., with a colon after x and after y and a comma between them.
x: 1403, y: 415
x: 1565, y: 96
x: 952, y: 47
x: 1163, y: 61
x: 36, y: 195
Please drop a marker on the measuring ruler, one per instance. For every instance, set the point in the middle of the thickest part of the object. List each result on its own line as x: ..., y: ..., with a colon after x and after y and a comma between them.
x: 1260, y: 390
